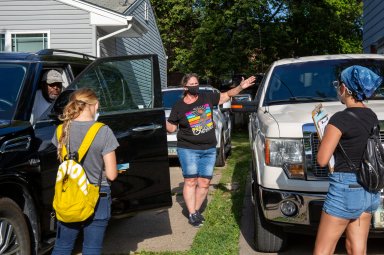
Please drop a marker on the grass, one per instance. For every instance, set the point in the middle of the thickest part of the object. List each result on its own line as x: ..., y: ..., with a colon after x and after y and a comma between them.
x: 221, y: 231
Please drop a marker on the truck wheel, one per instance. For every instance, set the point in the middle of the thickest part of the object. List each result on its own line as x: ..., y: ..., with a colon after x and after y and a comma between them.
x: 267, y: 237
x: 220, y: 158
x: 14, y: 233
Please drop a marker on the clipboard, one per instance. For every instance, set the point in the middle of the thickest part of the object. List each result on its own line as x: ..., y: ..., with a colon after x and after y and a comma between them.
x: 320, y: 118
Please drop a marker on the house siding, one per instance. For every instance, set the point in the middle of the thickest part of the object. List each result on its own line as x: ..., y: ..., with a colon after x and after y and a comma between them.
x: 149, y: 43
x: 68, y: 27
x: 373, y: 26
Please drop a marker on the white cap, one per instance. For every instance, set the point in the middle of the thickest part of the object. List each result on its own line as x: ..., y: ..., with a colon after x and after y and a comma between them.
x: 52, y: 76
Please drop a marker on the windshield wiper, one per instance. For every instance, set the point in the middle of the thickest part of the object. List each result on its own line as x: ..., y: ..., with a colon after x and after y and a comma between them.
x: 300, y: 99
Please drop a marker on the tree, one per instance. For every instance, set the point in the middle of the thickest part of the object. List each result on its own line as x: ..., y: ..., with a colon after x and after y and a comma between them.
x: 324, y: 27
x: 176, y: 19
x: 217, y: 37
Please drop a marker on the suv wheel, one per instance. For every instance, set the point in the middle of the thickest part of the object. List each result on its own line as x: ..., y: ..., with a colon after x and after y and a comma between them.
x: 267, y: 237
x: 14, y: 233
x: 220, y: 159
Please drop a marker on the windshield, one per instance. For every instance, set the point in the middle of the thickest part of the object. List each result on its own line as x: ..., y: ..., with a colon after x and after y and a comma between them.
x: 170, y: 97
x: 11, y: 79
x: 312, y: 81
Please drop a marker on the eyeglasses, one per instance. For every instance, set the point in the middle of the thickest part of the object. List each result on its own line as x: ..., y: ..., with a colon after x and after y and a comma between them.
x: 336, y: 84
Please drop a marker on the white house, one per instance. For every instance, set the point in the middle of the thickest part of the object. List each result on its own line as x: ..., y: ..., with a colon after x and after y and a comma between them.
x: 95, y: 27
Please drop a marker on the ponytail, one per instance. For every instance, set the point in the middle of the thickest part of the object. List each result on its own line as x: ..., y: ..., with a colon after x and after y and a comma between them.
x: 76, y: 105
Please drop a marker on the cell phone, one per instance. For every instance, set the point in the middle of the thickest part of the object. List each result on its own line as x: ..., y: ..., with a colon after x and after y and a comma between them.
x: 354, y: 186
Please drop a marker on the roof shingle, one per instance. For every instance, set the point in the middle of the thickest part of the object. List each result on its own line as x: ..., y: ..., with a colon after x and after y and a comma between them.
x: 119, y: 6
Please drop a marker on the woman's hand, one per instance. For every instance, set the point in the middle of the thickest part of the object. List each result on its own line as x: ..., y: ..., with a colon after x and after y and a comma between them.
x: 225, y: 96
x: 248, y: 82
x: 170, y: 127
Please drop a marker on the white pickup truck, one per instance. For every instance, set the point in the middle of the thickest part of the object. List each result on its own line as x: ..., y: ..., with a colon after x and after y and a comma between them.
x: 288, y: 186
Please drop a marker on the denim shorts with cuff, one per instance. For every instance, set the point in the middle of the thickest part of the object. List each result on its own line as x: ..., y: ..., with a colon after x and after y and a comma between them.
x: 347, y: 199
x: 197, y: 163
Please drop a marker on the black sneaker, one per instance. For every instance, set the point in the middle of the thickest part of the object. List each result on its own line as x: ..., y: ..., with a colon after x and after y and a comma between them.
x: 200, y: 216
x: 194, y: 220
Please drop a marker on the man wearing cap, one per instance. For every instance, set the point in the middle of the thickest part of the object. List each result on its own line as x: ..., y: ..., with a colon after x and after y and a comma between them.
x: 51, y: 87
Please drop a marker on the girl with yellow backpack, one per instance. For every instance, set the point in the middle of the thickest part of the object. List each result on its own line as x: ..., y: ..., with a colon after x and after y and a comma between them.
x: 98, y: 160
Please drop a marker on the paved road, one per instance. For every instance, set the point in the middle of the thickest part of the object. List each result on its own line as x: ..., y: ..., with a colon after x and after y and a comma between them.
x: 297, y: 244
x: 156, y: 230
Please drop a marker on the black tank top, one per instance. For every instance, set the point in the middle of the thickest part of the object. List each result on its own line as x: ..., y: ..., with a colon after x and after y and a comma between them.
x: 354, y: 135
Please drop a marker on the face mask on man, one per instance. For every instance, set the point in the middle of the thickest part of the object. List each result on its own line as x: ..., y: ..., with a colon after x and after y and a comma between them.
x: 193, y: 90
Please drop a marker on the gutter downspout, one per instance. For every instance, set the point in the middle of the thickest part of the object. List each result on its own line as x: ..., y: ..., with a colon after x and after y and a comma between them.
x: 110, y: 35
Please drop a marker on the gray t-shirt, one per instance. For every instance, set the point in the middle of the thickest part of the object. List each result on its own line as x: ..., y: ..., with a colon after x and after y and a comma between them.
x: 104, y: 142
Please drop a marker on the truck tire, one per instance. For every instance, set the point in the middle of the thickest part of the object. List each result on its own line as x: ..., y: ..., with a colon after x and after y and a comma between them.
x: 267, y: 237
x: 220, y: 158
x: 14, y: 232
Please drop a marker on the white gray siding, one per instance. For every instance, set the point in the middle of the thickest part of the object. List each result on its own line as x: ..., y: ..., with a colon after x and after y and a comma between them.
x: 68, y: 27
x: 150, y: 43
x: 373, y: 25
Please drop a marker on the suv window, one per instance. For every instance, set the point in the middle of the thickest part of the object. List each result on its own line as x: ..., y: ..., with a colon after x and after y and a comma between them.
x: 121, y: 85
x: 11, y: 80
x: 311, y: 81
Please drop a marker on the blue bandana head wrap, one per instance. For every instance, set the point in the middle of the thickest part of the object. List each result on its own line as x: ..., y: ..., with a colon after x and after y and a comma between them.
x: 361, y: 81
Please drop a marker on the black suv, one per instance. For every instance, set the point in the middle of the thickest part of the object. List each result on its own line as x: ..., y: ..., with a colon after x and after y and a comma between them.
x: 130, y: 103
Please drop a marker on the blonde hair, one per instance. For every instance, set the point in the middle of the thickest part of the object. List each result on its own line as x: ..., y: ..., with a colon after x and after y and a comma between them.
x: 76, y: 105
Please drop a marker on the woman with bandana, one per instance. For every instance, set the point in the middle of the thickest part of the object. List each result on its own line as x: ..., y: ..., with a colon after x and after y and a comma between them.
x: 196, y: 140
x: 348, y: 206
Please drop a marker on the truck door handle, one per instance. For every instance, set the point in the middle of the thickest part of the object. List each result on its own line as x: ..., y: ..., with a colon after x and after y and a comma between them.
x: 147, y: 128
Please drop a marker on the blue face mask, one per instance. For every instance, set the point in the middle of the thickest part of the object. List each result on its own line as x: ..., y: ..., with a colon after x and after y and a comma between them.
x: 193, y: 90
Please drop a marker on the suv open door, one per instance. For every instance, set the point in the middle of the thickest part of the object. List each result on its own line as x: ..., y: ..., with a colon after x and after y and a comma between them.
x: 129, y: 92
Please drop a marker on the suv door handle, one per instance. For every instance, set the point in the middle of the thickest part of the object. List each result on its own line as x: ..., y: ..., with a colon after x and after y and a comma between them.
x: 147, y: 128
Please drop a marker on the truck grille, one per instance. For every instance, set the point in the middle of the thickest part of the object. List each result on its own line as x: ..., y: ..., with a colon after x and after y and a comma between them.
x: 311, y: 145
x: 318, y: 171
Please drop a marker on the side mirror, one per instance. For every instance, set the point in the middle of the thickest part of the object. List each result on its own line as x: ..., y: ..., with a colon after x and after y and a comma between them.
x: 60, y: 103
x: 226, y: 106
x: 244, y: 106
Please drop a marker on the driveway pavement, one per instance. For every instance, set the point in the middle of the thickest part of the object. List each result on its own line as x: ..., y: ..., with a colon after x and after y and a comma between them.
x: 168, y: 229
x: 297, y: 244
x: 159, y: 230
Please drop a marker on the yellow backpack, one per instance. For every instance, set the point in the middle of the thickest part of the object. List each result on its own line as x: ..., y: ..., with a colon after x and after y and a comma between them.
x: 75, y: 198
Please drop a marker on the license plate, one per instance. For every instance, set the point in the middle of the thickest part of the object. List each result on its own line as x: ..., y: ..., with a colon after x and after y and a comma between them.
x: 172, y: 151
x: 378, y: 216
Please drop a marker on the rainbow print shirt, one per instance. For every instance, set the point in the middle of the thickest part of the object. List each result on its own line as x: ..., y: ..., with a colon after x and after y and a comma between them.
x: 200, y: 119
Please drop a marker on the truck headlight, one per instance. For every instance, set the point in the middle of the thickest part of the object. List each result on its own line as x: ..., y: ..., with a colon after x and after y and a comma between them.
x: 285, y: 153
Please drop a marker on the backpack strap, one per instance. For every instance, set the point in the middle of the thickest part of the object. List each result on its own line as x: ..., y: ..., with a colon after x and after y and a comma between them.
x: 88, y: 139
x: 59, y: 131
x: 375, y: 129
x: 349, y: 161
x: 85, y: 144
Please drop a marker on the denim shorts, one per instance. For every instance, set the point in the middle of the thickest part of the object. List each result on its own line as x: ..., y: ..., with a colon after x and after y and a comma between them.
x: 197, y: 163
x: 347, y: 199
